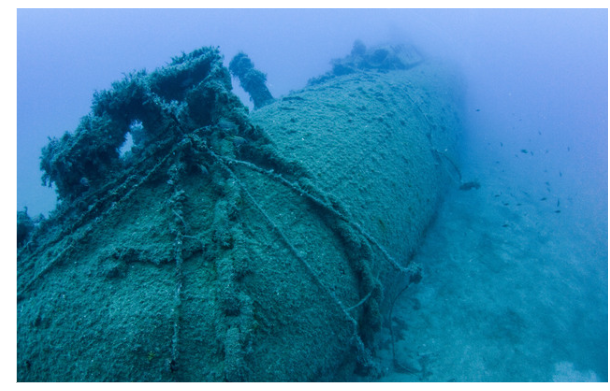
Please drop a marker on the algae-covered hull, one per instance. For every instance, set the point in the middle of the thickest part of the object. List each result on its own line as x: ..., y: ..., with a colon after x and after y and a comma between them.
x: 227, y: 246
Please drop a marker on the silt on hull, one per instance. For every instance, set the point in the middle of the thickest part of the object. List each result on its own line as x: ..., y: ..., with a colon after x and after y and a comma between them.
x: 233, y: 247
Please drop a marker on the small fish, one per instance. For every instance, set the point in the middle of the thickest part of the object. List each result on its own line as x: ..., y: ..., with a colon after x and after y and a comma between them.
x: 557, y: 211
x: 187, y: 82
x: 470, y: 185
x: 226, y: 124
x: 501, y: 144
x: 543, y: 199
x: 558, y: 202
x: 524, y: 151
x: 539, y: 133
x: 478, y: 110
x: 239, y: 141
x: 560, y: 174
x: 568, y: 149
x: 504, y: 225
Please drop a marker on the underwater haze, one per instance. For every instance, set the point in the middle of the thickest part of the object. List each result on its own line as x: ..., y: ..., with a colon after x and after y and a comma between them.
x: 515, y: 284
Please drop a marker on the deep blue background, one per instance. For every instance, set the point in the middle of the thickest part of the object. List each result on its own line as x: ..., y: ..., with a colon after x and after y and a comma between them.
x: 527, y: 71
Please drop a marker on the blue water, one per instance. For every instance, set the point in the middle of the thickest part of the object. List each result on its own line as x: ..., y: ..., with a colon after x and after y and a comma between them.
x: 516, y: 276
